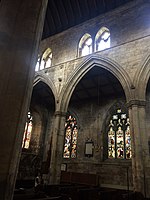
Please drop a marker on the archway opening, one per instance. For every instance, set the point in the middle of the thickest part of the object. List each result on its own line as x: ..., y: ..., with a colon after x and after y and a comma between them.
x: 35, y: 155
x: 91, y: 101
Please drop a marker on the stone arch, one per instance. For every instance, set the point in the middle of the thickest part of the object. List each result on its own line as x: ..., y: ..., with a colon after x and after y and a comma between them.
x: 141, y: 79
x: 41, y: 77
x: 84, y: 67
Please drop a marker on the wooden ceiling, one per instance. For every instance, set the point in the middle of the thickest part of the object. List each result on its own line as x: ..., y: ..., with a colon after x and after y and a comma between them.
x: 63, y: 14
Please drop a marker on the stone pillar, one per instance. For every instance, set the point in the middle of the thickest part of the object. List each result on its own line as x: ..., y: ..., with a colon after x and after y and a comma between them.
x: 21, y: 25
x: 139, y: 144
x: 57, y: 147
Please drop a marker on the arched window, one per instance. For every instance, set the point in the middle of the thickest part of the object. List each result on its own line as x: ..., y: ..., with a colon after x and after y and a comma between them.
x: 102, y: 39
x: 45, y: 60
x: 85, y: 45
x: 48, y: 60
x: 71, y: 134
x: 119, y: 138
x: 27, y: 132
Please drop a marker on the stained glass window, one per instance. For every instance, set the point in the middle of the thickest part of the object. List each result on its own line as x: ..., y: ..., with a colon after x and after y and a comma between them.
x: 119, y: 138
x: 71, y: 134
x: 27, y: 132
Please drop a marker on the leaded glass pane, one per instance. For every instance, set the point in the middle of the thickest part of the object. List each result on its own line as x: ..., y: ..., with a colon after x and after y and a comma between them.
x: 71, y: 133
x: 111, y: 143
x: 74, y: 142
x: 42, y: 66
x: 87, y: 47
x: 123, y: 116
x: 48, y: 61
x: 104, y: 41
x: 37, y: 65
x: 120, y: 143
x: 128, y: 143
x: 115, y: 116
x: 67, y: 143
x: 27, y: 132
x: 119, y: 138
x: 118, y: 110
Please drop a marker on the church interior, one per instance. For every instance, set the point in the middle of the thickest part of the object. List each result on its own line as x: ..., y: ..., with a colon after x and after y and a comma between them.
x: 75, y: 100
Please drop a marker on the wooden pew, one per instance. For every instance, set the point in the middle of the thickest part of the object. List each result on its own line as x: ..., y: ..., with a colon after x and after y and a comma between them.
x: 79, y: 178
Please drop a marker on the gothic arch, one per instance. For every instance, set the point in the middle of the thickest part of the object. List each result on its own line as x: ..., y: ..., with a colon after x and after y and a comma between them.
x: 84, y: 67
x: 141, y: 79
x: 41, y: 77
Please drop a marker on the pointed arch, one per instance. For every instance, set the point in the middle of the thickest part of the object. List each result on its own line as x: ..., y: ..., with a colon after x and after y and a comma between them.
x: 41, y: 77
x: 84, y: 67
x: 141, y: 79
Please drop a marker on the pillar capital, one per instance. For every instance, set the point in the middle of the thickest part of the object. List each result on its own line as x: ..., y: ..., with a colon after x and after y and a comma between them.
x: 60, y: 113
x: 136, y: 102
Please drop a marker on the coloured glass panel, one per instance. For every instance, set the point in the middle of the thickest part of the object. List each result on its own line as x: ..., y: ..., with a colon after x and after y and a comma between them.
x: 120, y: 143
x: 128, y: 143
x: 27, y: 132
x: 111, y: 143
x: 71, y: 134
x: 119, y: 138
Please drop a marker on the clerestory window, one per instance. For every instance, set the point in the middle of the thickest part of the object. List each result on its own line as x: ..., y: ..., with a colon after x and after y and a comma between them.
x: 102, y: 39
x: 85, y: 45
x: 45, y: 60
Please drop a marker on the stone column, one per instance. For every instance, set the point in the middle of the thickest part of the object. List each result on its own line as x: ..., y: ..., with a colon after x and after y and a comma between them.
x: 21, y: 25
x: 139, y: 144
x: 57, y: 147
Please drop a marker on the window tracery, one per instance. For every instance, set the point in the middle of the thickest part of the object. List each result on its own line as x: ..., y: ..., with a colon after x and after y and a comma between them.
x: 119, y: 138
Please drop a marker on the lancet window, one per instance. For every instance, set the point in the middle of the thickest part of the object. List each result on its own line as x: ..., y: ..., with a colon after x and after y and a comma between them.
x: 27, y: 131
x: 102, y: 39
x: 85, y: 45
x: 71, y: 134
